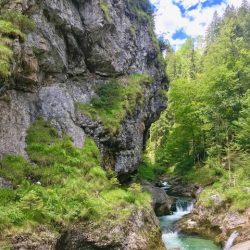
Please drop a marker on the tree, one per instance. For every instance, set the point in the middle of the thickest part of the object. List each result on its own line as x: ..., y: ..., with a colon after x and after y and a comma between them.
x: 206, y: 115
x: 213, y: 29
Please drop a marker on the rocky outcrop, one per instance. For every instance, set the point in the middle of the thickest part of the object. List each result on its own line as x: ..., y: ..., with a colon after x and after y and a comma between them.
x: 218, y: 224
x: 139, y: 232
x: 178, y: 187
x: 161, y: 202
x: 76, y: 47
x: 40, y: 239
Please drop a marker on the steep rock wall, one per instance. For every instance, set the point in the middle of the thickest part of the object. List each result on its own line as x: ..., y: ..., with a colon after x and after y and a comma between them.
x: 77, y: 46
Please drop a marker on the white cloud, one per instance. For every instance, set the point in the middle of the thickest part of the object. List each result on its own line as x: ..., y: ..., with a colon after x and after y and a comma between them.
x: 236, y: 3
x: 169, y: 19
x: 188, y: 3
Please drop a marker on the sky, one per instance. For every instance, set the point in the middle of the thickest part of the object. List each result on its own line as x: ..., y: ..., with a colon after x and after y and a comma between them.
x: 176, y: 20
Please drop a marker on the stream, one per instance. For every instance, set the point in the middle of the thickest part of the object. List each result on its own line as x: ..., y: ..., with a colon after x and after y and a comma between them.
x: 173, y: 239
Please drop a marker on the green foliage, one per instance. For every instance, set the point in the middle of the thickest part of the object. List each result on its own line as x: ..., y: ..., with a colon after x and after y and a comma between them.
x: 12, y: 25
x: 18, y: 20
x: 148, y: 171
x: 205, y: 130
x: 115, y: 100
x: 243, y: 123
x: 65, y: 185
x: 14, y: 168
x: 234, y: 195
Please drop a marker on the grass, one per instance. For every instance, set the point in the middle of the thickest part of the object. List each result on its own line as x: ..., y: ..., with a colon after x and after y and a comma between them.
x: 115, y: 100
x: 234, y: 193
x: 63, y: 184
x: 236, y: 198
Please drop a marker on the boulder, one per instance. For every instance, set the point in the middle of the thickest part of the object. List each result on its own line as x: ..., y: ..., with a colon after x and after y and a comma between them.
x: 161, y: 202
x: 242, y: 246
x: 140, y: 232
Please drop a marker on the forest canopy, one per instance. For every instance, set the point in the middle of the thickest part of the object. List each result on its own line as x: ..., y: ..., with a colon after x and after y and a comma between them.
x: 204, y: 135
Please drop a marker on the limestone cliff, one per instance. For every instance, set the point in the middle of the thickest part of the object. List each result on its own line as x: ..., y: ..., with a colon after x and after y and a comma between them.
x: 76, y: 47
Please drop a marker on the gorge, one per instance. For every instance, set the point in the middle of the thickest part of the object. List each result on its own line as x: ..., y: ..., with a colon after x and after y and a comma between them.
x: 90, y: 157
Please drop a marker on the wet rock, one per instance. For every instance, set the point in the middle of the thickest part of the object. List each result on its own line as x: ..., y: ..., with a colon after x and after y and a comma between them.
x: 180, y: 188
x: 217, y: 224
x: 162, y: 203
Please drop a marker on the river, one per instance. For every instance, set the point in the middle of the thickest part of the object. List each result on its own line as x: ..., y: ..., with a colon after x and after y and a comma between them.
x: 173, y: 239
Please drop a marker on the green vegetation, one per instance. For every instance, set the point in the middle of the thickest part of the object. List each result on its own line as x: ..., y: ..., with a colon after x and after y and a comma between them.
x: 115, y: 100
x: 204, y: 134
x: 148, y: 171
x: 12, y: 25
x: 63, y: 184
x: 105, y: 8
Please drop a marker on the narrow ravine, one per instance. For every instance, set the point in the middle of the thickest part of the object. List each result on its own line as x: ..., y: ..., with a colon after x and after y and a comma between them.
x: 173, y: 239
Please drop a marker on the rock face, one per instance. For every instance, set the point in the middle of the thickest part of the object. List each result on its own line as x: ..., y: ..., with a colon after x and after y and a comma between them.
x: 77, y: 46
x: 138, y: 233
x: 218, y: 224
x: 41, y: 239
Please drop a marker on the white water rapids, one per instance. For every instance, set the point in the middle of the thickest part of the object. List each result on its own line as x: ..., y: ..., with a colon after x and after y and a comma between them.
x: 230, y: 240
x: 173, y: 239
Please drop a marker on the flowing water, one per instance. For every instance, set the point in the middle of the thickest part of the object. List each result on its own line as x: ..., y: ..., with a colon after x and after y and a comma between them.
x: 230, y: 240
x: 177, y: 241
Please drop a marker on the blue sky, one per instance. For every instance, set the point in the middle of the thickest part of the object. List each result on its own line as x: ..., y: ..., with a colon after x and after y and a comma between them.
x: 178, y: 19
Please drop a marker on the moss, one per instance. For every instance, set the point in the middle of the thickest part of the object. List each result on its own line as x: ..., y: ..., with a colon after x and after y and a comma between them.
x: 132, y: 30
x: 115, y: 100
x: 105, y: 8
x: 65, y: 185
